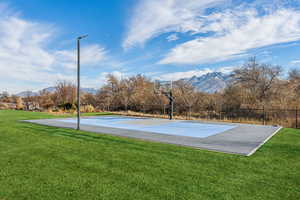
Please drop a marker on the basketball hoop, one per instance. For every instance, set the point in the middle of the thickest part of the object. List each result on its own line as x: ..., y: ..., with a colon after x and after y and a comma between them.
x: 165, y: 88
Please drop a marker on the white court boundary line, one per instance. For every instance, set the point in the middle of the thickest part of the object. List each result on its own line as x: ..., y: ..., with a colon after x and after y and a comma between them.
x: 262, y: 143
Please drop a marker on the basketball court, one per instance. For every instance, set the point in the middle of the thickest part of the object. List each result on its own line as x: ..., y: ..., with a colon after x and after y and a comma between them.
x: 243, y: 139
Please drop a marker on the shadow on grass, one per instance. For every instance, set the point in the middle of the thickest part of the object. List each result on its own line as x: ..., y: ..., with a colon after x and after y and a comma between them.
x: 67, y: 132
x: 102, y: 138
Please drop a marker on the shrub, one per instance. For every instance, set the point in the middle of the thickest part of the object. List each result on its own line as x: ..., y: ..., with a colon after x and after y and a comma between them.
x: 65, y: 106
x: 3, y: 106
x: 87, y: 109
x: 19, y: 104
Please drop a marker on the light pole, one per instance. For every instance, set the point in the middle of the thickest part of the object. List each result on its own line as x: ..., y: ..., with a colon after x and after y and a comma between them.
x: 78, y: 80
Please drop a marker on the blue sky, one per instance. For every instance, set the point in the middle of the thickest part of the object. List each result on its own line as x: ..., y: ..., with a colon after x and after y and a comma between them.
x: 162, y: 39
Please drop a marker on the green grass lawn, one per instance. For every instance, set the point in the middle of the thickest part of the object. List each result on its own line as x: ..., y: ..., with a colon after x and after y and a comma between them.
x: 39, y: 162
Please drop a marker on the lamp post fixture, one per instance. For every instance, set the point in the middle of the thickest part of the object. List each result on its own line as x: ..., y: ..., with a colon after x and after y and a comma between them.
x: 78, y: 79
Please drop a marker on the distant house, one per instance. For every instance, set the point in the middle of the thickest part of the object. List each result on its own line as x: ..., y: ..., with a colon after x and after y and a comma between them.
x: 31, y: 106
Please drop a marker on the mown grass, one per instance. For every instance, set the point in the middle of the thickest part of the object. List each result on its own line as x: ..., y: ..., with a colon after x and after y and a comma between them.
x: 39, y: 162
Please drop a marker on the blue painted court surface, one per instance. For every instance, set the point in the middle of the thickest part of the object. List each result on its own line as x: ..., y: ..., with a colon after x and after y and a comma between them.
x: 176, y: 127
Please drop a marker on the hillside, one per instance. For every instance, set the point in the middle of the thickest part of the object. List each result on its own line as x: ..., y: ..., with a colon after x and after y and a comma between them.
x: 52, y: 89
x: 210, y: 82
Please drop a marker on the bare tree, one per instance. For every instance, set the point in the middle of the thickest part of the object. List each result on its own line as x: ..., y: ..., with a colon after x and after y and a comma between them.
x: 185, y: 95
x: 65, y: 93
x: 232, y: 97
x: 294, y: 75
x: 143, y: 89
x: 126, y: 91
x: 258, y: 79
x: 45, y: 100
x: 294, y: 80
x: 292, y: 88
x: 89, y: 99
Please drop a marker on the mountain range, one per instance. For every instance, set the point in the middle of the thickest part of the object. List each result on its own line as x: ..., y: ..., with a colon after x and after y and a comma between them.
x: 52, y: 89
x: 209, y: 83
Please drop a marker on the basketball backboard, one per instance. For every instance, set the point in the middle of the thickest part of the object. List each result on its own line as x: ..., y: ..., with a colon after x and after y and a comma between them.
x: 162, y: 86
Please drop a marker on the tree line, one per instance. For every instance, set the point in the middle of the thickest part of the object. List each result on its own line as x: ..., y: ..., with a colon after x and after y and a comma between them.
x: 253, y: 85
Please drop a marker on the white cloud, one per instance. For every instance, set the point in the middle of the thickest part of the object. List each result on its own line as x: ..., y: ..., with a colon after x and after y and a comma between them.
x: 101, y: 79
x: 227, y: 70
x: 231, y: 29
x: 23, y: 56
x: 153, y: 17
x: 278, y: 27
x: 118, y: 74
x: 26, y: 61
x: 172, y: 37
x: 188, y: 74
x: 91, y: 55
x: 22, y: 43
x: 295, y: 62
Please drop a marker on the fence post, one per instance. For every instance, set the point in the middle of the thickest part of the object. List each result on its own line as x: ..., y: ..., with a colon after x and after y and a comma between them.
x: 296, y: 117
x: 186, y: 114
x: 264, y: 116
